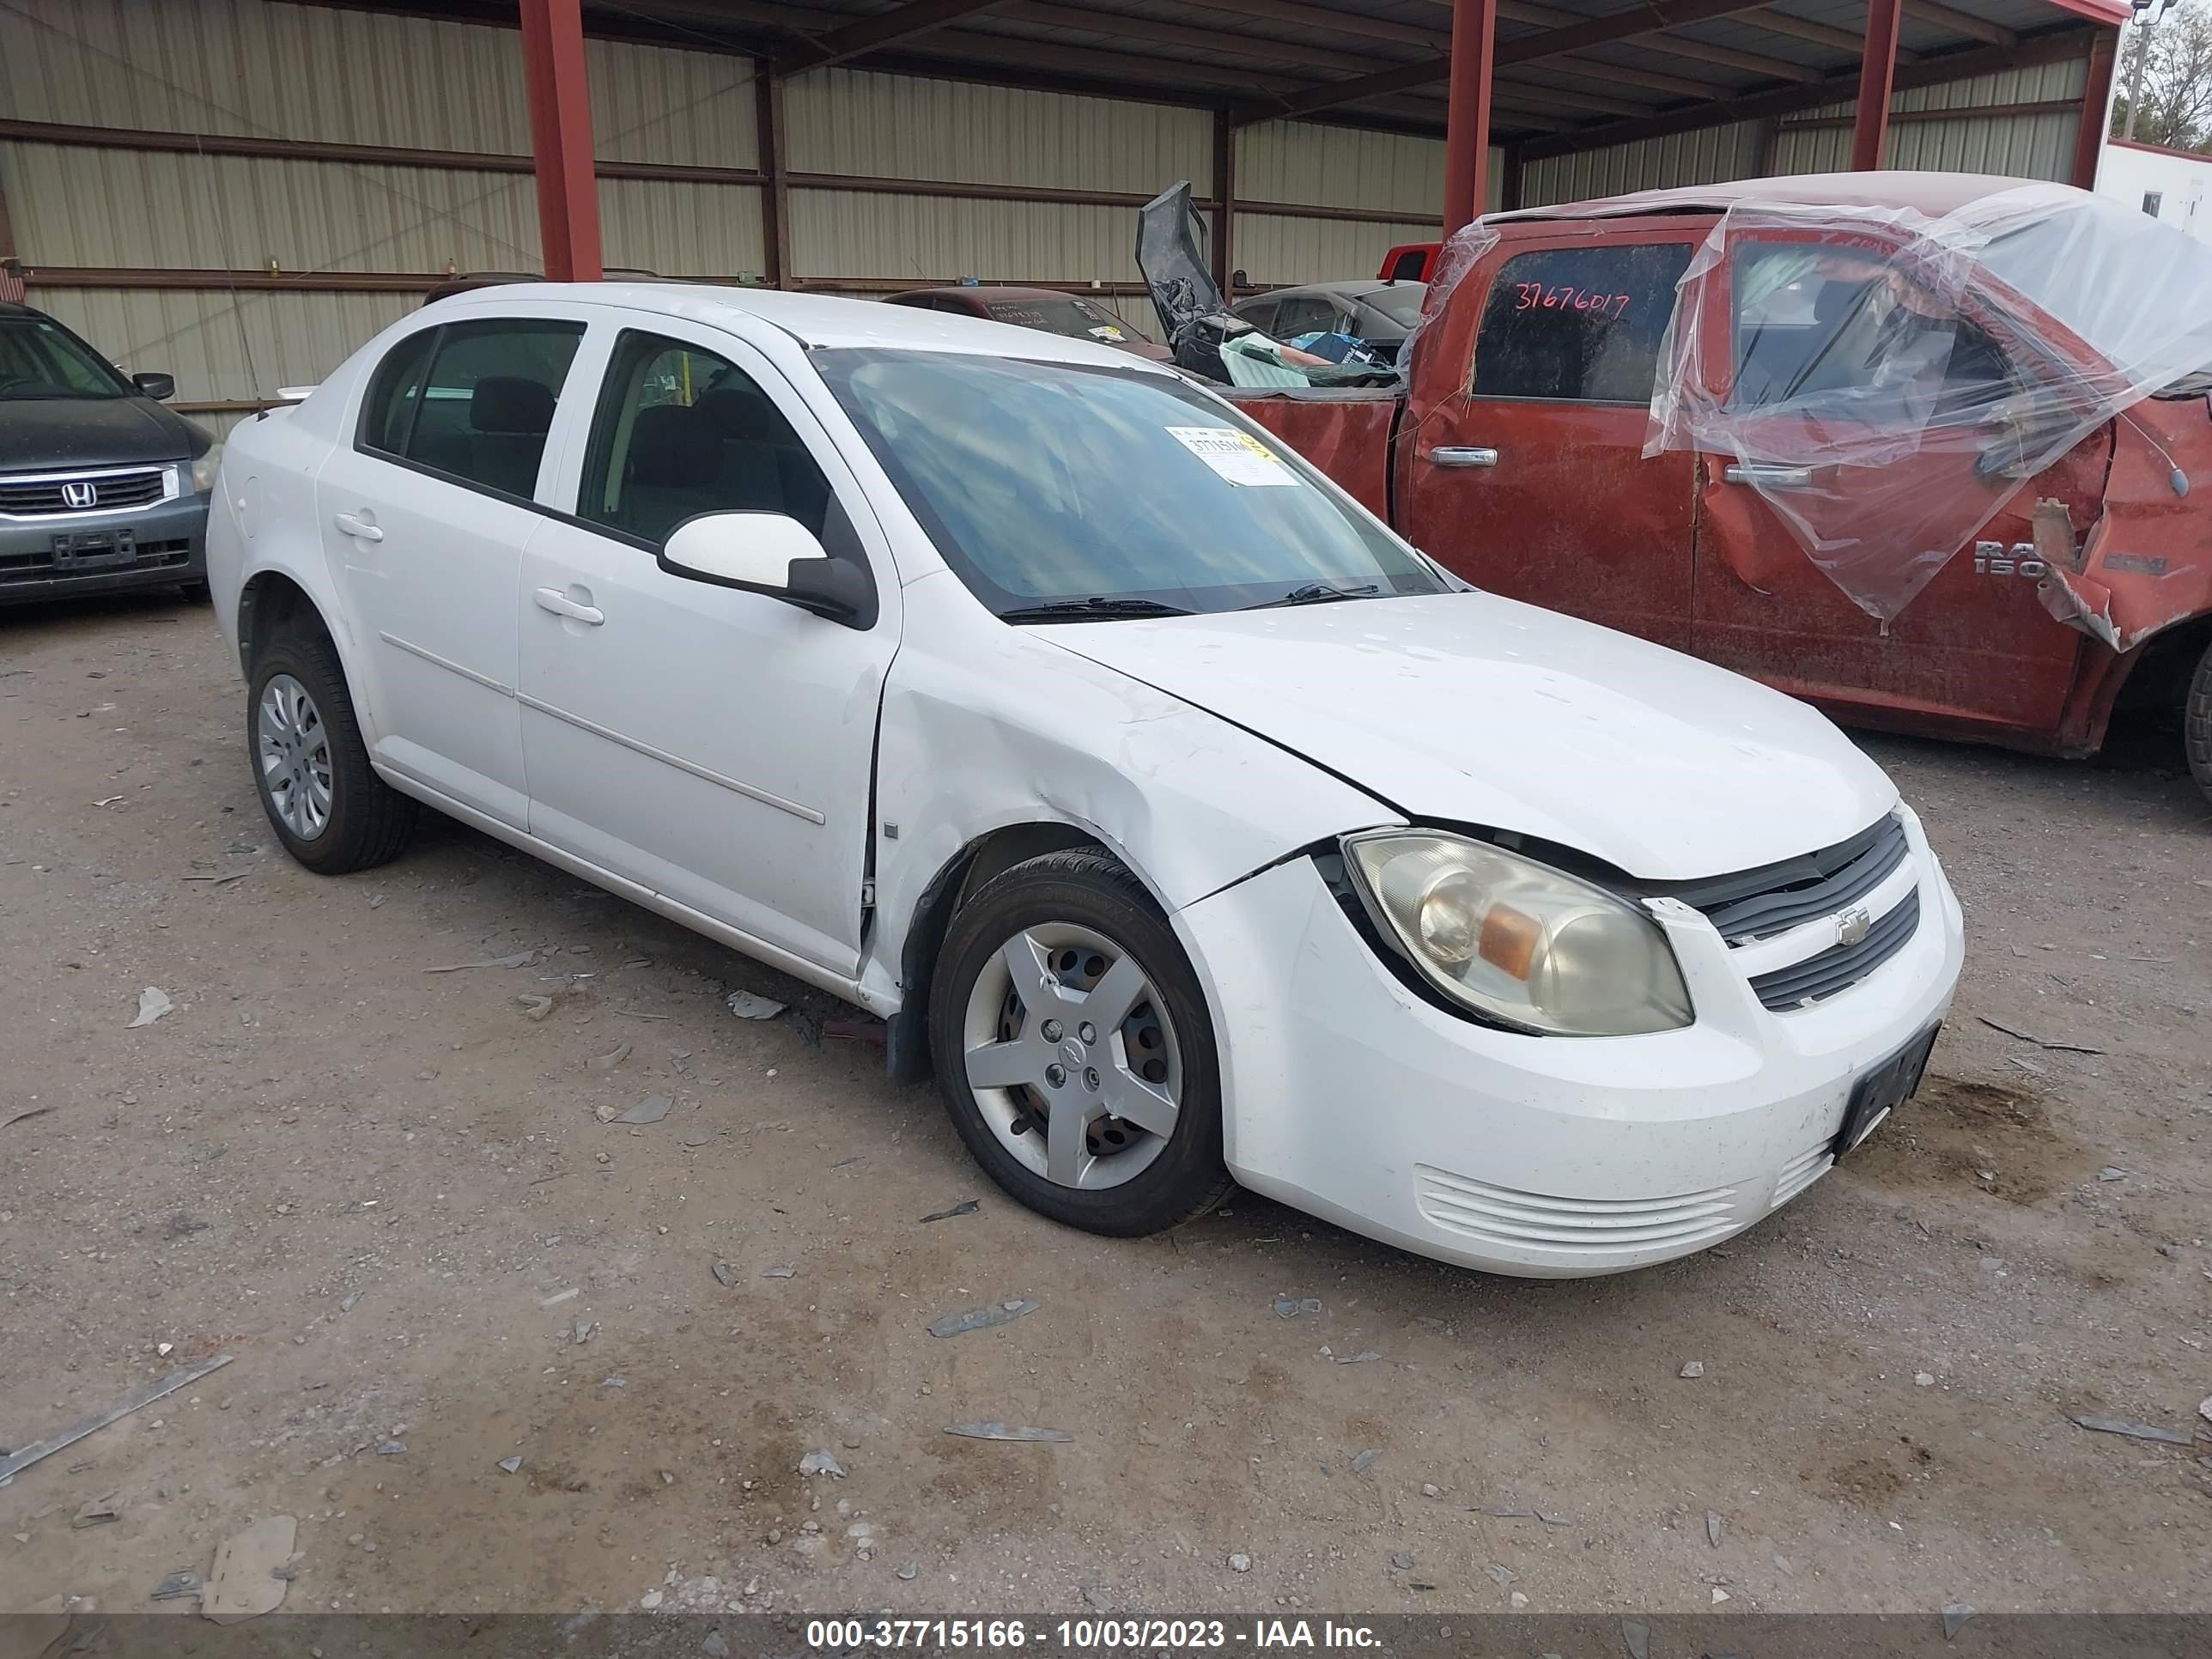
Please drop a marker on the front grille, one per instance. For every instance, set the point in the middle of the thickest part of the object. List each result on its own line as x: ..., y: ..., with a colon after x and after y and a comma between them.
x: 1802, y: 1172
x: 1570, y: 1226
x: 1843, y: 965
x: 38, y: 566
x: 1846, y: 874
x: 111, y: 492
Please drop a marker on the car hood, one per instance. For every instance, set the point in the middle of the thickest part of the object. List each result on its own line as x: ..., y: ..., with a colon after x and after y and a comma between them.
x: 39, y: 434
x: 1469, y: 709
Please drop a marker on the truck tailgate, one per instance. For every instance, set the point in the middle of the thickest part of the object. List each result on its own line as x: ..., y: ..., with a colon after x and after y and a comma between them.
x: 1345, y: 432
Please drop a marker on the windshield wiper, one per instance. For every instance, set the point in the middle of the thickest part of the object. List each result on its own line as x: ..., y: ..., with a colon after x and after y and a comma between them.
x: 1315, y: 593
x: 1090, y: 610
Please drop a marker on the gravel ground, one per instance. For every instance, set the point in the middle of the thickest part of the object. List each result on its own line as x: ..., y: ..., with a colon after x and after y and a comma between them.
x: 388, y: 1193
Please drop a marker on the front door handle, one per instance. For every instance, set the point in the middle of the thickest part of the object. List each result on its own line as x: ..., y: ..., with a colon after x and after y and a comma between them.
x: 553, y: 599
x: 1453, y: 455
x: 1771, y: 477
x: 358, y: 528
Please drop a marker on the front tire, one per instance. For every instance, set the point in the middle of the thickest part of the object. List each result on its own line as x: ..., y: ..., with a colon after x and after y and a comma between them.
x: 1074, y: 1050
x: 2197, y: 723
x: 311, y: 767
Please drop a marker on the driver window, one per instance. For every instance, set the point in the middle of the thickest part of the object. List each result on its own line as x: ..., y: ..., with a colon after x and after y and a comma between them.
x: 1844, y: 331
x: 680, y: 432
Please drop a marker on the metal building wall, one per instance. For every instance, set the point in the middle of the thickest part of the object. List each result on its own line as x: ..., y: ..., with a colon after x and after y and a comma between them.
x: 1705, y: 157
x: 1394, y: 183
x: 2023, y: 145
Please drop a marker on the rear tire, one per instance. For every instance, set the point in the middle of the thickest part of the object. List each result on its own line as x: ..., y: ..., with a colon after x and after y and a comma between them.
x: 311, y: 767
x: 1062, y: 1001
x: 2197, y: 723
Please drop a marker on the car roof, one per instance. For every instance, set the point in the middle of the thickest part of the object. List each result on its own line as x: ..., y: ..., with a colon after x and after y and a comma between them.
x: 812, y: 319
x: 1358, y: 288
x: 9, y: 308
x: 1934, y: 194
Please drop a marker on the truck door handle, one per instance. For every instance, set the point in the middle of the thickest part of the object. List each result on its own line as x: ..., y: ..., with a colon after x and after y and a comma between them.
x: 358, y: 528
x: 553, y: 599
x: 1771, y: 477
x: 1451, y: 455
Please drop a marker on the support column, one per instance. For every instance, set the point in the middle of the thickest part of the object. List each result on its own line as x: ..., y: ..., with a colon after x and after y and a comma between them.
x: 2096, y: 108
x: 12, y: 268
x: 1510, y: 186
x: 1225, y: 203
x: 1877, y: 77
x: 776, y: 188
x: 1467, y: 117
x: 561, y: 139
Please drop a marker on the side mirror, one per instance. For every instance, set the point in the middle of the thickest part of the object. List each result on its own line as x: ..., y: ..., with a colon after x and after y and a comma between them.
x: 158, y: 387
x: 770, y: 554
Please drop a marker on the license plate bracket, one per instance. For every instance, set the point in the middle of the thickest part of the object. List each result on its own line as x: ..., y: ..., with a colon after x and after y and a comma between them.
x: 94, y: 550
x: 1884, y: 1087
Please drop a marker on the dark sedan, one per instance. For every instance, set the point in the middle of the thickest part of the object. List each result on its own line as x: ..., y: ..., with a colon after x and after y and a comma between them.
x: 101, y: 487
x: 1047, y: 308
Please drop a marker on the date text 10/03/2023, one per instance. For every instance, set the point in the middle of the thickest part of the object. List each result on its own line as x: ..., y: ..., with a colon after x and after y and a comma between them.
x: 1083, y: 1635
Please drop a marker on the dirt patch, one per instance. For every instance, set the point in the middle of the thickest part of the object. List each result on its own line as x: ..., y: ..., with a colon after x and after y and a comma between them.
x: 1989, y: 1137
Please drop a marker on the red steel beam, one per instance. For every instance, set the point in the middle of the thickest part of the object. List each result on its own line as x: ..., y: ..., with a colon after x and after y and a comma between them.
x: 1467, y: 120
x: 1877, y: 76
x: 2096, y: 109
x: 561, y: 139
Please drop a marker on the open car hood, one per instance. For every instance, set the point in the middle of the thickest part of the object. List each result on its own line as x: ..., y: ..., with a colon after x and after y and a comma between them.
x: 1469, y: 709
x: 1171, y: 255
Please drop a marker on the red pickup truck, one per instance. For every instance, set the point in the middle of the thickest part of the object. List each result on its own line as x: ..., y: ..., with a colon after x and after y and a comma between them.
x: 1779, y: 535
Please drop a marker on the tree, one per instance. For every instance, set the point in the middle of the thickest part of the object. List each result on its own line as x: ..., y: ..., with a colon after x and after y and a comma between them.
x: 2177, y: 79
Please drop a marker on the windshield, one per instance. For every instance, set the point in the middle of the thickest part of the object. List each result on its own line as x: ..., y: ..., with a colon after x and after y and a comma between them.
x: 1050, y: 481
x: 38, y: 358
x: 1077, y: 318
x: 1401, y: 302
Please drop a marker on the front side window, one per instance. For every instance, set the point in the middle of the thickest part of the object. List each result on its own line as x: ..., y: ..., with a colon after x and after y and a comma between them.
x: 1304, y: 314
x: 1044, y: 482
x: 473, y: 400
x: 1843, y: 332
x: 1578, y: 325
x: 1077, y: 319
x: 680, y: 431
x: 39, y: 358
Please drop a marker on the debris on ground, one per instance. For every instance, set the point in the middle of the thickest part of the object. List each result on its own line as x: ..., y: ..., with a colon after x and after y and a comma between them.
x: 558, y: 1298
x: 781, y: 1272
x: 979, y: 1319
x: 18, y: 1116
x: 219, y: 881
x: 243, y: 1582
x: 1290, y: 1307
x: 1549, y: 1517
x: 1923, y: 1379
x: 651, y: 1110
x: 520, y: 959
x: 745, y: 1006
x: 535, y: 1008
x: 965, y: 1206
x: 581, y: 1332
x: 1503, y: 1575
x: 613, y: 1058
x: 1364, y: 1461
x: 2112, y: 1172
x: 807, y: 1028
x: 996, y: 1430
x: 820, y: 1462
x: 1401, y: 1561
x: 1713, y: 1528
x: 510, y: 1464
x: 184, y: 1581
x: 93, y: 1512
x: 98, y: 1420
x: 1240, y: 1562
x: 153, y: 1003
x: 1692, y: 1368
x: 1359, y: 1358
x: 392, y: 1449
x: 1954, y: 1618
x: 1635, y: 1637
x: 2041, y: 1042
x: 723, y: 1276
x: 909, y: 1571
x: 2133, y: 1431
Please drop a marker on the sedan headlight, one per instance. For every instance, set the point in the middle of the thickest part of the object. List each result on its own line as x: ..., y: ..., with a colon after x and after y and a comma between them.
x: 1518, y: 941
x: 203, y: 470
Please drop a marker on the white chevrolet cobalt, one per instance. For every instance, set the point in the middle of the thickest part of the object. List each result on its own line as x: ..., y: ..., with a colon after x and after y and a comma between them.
x: 1189, y: 825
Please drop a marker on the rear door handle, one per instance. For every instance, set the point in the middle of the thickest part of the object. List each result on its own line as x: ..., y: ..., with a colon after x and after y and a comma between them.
x: 553, y: 599
x: 1453, y: 455
x: 1771, y: 477
x: 358, y: 528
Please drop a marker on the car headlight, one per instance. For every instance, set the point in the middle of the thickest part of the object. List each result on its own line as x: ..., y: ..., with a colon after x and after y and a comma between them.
x: 203, y: 470
x: 1518, y: 941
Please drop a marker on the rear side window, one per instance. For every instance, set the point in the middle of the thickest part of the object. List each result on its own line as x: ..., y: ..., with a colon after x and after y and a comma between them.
x: 473, y: 400
x: 1578, y: 325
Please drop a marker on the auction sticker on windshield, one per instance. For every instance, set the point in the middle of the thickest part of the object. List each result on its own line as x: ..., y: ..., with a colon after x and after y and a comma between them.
x: 1237, y: 457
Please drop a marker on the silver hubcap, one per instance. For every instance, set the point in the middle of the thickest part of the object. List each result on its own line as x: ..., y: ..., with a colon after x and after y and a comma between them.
x: 296, y: 755
x: 1071, y: 1058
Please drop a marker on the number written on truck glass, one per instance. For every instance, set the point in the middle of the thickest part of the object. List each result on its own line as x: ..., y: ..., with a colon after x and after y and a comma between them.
x: 1579, y: 324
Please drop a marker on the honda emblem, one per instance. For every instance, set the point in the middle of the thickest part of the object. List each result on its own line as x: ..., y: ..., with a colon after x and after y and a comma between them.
x: 1852, y: 927
x: 79, y: 496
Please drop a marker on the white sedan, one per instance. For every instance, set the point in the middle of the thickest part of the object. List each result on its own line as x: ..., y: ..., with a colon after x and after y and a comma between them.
x: 1187, y: 825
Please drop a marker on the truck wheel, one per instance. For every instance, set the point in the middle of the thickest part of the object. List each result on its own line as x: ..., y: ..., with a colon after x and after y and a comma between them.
x: 2197, y: 723
x: 310, y: 767
x: 1074, y: 1049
